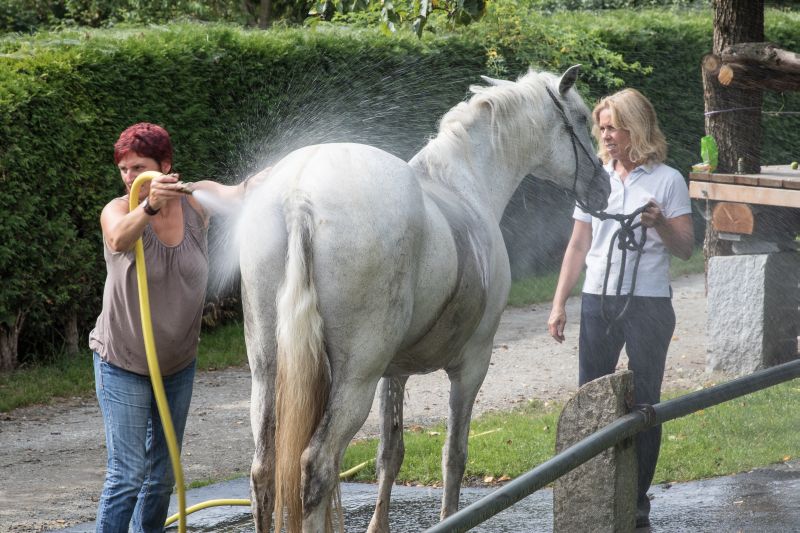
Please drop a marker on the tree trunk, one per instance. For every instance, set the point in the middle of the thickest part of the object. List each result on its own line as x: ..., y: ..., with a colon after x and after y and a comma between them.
x: 265, y: 14
x: 71, y: 334
x: 733, y: 116
x: 9, y: 343
x: 249, y: 10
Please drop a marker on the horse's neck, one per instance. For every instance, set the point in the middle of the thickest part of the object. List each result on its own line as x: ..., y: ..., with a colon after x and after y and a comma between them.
x: 475, y: 176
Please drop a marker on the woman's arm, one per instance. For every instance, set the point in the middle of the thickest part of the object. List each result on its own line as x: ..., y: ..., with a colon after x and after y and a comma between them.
x: 229, y: 196
x: 676, y: 233
x: 571, y: 267
x: 122, y: 228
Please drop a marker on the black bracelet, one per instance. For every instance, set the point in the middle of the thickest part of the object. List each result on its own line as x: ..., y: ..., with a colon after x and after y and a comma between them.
x: 149, y: 208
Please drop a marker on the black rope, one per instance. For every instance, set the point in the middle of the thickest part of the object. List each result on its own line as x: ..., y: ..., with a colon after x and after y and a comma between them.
x: 624, y: 237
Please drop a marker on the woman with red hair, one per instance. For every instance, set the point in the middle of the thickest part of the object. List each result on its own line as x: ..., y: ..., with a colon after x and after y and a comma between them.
x: 173, y: 228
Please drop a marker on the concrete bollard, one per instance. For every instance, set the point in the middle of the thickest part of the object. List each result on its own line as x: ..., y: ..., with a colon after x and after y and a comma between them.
x: 753, y: 311
x: 600, y: 495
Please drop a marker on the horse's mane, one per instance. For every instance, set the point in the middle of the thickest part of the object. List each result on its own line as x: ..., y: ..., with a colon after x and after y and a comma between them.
x: 516, y: 111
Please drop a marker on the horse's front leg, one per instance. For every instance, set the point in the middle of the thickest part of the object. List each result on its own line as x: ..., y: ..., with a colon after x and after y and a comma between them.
x: 391, y: 450
x: 465, y: 382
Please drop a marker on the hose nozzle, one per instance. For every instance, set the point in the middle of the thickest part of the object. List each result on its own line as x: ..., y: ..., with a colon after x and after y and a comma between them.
x: 185, y: 188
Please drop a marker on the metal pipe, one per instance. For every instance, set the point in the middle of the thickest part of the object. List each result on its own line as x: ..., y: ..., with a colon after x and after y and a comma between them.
x: 547, y: 472
x: 624, y: 427
x: 711, y: 396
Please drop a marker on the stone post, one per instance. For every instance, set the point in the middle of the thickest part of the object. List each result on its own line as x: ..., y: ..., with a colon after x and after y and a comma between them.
x: 753, y: 311
x: 599, y: 495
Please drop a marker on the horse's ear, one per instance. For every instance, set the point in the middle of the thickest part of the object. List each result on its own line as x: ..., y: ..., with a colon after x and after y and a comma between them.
x: 568, y: 79
x: 494, y: 81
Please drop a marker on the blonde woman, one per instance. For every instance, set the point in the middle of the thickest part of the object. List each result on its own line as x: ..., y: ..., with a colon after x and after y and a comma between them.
x: 633, y: 150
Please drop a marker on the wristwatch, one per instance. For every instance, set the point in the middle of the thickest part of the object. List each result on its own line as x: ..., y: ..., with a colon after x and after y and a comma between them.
x: 148, y: 208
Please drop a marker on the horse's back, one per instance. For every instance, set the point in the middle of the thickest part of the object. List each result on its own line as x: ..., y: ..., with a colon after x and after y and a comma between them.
x: 368, y: 224
x: 393, y: 259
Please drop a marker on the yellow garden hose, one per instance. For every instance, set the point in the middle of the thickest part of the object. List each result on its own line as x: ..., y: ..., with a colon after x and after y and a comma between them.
x: 158, y: 383
x: 155, y: 374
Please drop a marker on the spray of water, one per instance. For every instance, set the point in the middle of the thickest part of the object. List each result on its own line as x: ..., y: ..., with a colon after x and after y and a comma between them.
x: 347, y: 102
x: 397, y: 112
x: 213, y: 204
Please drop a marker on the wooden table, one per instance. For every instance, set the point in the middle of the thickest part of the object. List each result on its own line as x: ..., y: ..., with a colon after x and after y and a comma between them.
x: 777, y: 185
x: 734, y: 196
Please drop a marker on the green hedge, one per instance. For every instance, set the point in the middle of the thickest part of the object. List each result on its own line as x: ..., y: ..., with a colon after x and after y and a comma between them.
x: 235, y: 100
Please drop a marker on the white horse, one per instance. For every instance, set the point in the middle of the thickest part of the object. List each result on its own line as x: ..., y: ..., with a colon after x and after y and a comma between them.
x: 358, y: 266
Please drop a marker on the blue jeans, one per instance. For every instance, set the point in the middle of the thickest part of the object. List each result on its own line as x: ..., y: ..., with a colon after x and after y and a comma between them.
x: 139, y: 476
x: 646, y: 331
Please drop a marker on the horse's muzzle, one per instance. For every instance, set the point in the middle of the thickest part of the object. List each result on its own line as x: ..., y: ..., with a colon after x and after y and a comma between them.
x: 598, y: 190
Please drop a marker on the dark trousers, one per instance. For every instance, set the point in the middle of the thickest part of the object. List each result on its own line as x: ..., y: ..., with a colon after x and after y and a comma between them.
x: 645, y: 330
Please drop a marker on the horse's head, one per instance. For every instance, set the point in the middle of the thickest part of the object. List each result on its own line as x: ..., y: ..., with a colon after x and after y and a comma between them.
x: 573, y: 148
x: 590, y: 181
x: 564, y: 152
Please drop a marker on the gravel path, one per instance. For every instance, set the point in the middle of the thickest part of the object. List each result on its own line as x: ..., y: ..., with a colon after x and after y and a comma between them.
x: 52, y: 458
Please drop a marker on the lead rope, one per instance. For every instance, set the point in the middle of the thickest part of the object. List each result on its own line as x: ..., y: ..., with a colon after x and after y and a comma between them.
x: 626, y: 241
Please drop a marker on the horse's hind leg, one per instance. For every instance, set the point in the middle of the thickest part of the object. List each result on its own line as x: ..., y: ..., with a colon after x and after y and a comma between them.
x: 391, y: 450
x: 260, y: 338
x: 465, y: 382
x: 262, y: 470
x: 348, y: 407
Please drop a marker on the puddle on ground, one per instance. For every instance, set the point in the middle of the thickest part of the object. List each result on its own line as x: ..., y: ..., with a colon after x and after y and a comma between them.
x: 763, y: 501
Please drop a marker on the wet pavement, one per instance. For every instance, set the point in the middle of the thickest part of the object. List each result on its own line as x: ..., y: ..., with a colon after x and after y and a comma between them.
x: 766, y: 500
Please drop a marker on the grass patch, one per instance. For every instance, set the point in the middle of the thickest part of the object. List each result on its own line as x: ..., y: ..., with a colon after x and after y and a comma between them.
x: 222, y: 347
x: 501, y: 444
x: 749, y: 432
x: 540, y: 289
x: 696, y: 264
x: 755, y: 430
x: 74, y: 376
x: 537, y: 289
x: 65, y: 377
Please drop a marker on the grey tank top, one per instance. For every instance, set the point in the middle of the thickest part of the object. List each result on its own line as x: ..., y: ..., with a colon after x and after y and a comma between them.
x: 176, y: 282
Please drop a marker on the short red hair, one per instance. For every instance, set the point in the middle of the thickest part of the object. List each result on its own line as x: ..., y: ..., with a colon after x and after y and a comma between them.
x: 146, y: 140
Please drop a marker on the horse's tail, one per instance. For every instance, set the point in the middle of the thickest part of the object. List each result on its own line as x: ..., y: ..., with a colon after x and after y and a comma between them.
x: 303, y: 371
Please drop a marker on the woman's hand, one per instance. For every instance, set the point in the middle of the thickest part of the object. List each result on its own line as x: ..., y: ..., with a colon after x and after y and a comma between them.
x: 653, y: 216
x: 556, y: 323
x: 676, y: 233
x: 164, y: 188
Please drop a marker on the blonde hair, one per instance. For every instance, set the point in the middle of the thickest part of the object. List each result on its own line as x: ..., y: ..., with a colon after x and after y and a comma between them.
x: 632, y: 111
